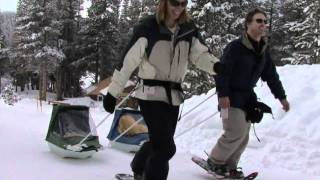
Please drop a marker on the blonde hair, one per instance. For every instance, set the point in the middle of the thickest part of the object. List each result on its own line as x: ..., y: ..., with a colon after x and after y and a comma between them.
x: 162, y: 13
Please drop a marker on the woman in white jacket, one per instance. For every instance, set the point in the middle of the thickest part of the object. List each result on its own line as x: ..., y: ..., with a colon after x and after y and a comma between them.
x: 161, y: 48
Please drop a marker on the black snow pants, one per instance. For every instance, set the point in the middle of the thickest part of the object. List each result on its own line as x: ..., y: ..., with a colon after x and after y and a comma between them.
x: 152, y: 160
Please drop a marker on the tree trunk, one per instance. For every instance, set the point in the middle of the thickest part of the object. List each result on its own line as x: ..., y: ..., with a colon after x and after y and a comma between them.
x: 59, y: 83
x: 270, y: 21
x: 97, y: 72
x: 43, y: 68
x: 318, y: 34
x: 43, y: 81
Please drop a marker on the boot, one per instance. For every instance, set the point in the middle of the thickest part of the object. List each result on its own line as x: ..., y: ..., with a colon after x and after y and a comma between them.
x: 219, y: 169
x: 138, y: 176
x: 236, y: 174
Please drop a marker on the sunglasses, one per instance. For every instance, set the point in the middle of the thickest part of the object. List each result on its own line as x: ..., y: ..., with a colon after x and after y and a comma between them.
x: 176, y: 3
x: 260, y: 21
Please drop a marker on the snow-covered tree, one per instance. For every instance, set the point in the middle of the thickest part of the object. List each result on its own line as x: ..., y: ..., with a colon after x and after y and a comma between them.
x: 129, y: 17
x: 135, y: 11
x: 2, y: 44
x: 49, y: 55
x: 219, y: 23
x: 125, y: 25
x: 4, y: 61
x: 24, y: 38
x: 40, y: 33
x: 7, y: 26
x: 67, y: 75
x: 113, y: 53
x: 9, y: 96
x: 104, y: 35
x: 304, y: 31
x: 309, y: 40
x: 148, y: 7
x: 2, y: 53
x: 276, y: 35
x: 125, y: 10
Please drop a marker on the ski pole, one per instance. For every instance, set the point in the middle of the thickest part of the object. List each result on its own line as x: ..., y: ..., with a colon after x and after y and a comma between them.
x: 195, y: 107
x: 104, y: 119
x: 187, y: 130
x: 140, y: 119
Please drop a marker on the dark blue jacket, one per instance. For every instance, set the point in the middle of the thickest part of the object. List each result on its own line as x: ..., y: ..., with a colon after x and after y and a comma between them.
x: 244, y: 67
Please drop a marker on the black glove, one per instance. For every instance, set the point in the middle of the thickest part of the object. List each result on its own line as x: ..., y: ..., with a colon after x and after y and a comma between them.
x: 219, y: 68
x: 109, y: 103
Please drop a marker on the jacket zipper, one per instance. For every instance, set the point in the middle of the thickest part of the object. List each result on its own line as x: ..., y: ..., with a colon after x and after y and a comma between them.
x: 186, y: 33
x: 174, y: 39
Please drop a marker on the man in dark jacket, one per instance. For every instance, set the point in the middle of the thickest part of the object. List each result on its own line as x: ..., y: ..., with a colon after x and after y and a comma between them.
x: 246, y: 60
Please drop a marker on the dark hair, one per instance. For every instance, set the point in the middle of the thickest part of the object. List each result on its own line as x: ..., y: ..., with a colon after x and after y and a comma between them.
x: 251, y: 13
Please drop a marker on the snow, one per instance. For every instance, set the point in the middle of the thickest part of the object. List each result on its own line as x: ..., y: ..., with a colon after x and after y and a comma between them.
x: 109, y: 9
x: 87, y: 81
x: 85, y: 6
x: 289, y: 147
x: 50, y: 51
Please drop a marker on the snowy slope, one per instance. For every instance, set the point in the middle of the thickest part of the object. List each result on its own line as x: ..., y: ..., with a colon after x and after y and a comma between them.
x: 290, y: 143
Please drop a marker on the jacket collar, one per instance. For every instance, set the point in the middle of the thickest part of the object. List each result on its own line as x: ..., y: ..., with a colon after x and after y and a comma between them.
x: 246, y: 42
x: 184, y: 28
x: 164, y: 29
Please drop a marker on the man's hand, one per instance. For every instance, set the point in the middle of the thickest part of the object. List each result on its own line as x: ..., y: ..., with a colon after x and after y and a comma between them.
x: 285, y: 104
x: 224, y: 102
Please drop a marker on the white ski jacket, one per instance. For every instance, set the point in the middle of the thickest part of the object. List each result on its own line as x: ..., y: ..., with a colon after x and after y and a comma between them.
x: 161, y: 55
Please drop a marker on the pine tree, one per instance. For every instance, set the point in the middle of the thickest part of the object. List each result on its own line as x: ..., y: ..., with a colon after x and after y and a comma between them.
x: 89, y: 39
x: 124, y: 16
x: 67, y: 74
x: 24, y: 43
x: 309, y: 41
x: 9, y: 96
x: 125, y: 25
x: 2, y: 44
x: 104, y: 30
x: 113, y: 53
x: 302, y: 27
x: 7, y: 26
x: 135, y: 11
x: 50, y: 54
x: 148, y: 7
x: 2, y: 54
x: 130, y: 16
x: 276, y: 35
x: 219, y: 22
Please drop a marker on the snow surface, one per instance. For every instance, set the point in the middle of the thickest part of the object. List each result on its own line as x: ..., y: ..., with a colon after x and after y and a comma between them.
x: 289, y: 147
